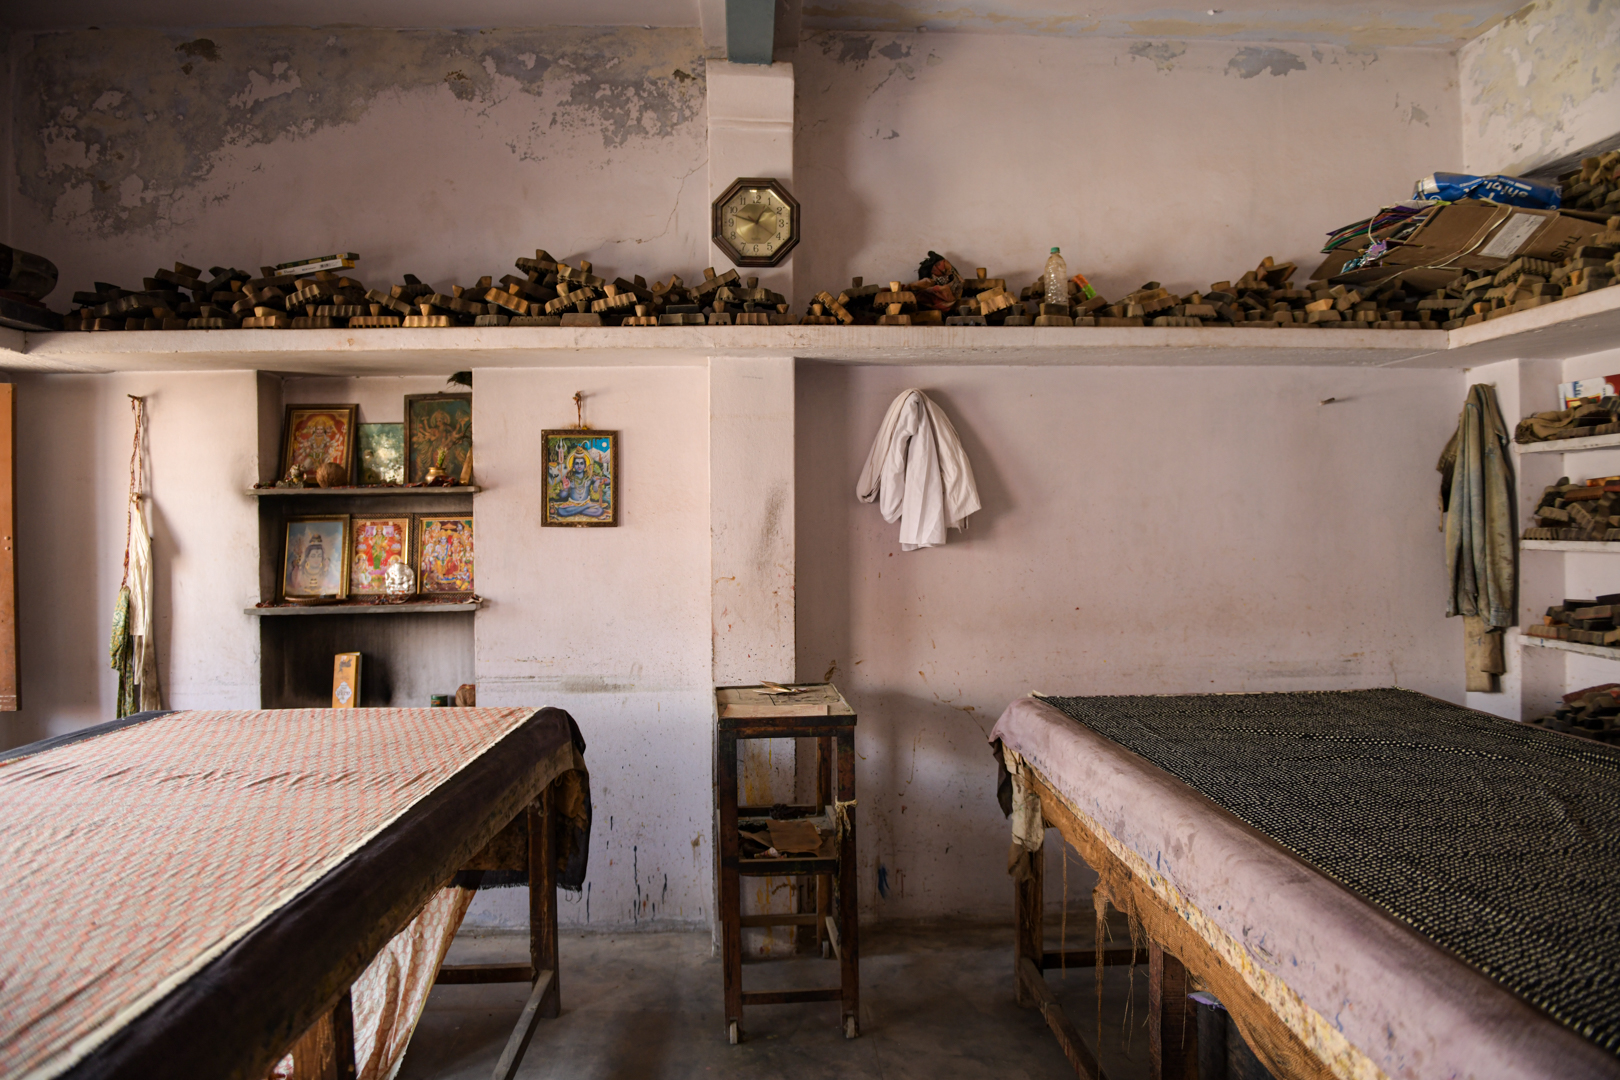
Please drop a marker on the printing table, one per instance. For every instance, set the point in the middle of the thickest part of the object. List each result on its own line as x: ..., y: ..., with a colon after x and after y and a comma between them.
x: 187, y: 894
x: 1373, y: 883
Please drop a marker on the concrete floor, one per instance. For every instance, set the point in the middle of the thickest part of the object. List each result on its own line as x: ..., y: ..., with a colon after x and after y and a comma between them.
x: 936, y: 1002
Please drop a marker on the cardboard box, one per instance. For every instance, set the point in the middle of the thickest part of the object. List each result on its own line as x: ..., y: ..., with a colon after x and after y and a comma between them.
x: 1473, y: 235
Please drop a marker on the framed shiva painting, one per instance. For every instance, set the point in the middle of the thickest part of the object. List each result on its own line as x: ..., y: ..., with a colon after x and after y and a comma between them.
x: 582, y: 477
x: 314, y: 561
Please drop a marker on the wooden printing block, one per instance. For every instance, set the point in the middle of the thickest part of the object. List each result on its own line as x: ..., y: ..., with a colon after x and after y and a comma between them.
x: 508, y: 300
x: 966, y: 320
x: 980, y: 283
x: 429, y: 320
x: 541, y: 264
x: 720, y: 318
x: 213, y: 324
x: 488, y: 320
x: 536, y: 320
x: 1119, y: 321
x: 928, y: 318
x: 896, y: 300
x: 373, y: 322
x: 710, y: 282
x: 317, y: 322
x: 577, y: 318
x: 267, y: 322
x: 1053, y: 320
x: 342, y: 311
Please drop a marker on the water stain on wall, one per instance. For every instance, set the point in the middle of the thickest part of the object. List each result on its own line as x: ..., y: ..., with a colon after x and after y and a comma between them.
x: 113, y: 125
x: 1251, y: 61
x: 1162, y: 53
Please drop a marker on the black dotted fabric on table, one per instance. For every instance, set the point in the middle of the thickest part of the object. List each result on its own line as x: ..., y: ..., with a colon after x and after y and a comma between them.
x: 1497, y: 841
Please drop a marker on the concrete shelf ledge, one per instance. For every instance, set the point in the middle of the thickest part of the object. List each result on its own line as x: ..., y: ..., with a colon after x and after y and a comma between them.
x: 1606, y: 546
x: 1607, y: 652
x: 346, y: 608
x: 1582, y: 324
x: 1564, y: 446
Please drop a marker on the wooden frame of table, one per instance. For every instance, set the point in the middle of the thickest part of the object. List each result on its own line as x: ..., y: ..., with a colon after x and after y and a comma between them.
x: 1174, y: 950
x: 746, y: 712
x: 288, y: 979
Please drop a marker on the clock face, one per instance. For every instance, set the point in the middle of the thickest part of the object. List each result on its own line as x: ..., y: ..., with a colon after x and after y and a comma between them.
x: 755, y: 222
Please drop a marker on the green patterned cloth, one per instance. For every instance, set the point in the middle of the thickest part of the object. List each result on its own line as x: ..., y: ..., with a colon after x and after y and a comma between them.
x: 123, y: 655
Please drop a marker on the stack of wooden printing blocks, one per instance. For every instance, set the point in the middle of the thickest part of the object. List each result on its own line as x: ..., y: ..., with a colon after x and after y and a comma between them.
x: 1589, y: 511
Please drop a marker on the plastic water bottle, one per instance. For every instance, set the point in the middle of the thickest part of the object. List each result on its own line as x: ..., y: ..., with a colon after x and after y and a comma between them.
x: 1057, y: 279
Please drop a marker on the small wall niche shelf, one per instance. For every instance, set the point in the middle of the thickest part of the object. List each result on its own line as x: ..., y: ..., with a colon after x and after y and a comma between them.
x: 1563, y: 446
x: 1608, y: 547
x: 379, y: 492
x: 1607, y: 652
x: 414, y: 607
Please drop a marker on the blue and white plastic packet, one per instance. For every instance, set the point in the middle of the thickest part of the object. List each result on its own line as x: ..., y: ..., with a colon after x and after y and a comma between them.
x: 1508, y: 190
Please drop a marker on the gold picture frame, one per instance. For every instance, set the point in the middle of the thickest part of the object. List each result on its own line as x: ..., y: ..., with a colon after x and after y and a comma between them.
x: 581, y: 478
x: 308, y: 571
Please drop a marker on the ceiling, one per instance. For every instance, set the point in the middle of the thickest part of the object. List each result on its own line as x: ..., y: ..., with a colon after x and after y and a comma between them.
x: 1430, y: 23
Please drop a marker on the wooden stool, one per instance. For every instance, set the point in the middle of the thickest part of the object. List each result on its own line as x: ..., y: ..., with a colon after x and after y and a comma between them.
x: 801, y: 711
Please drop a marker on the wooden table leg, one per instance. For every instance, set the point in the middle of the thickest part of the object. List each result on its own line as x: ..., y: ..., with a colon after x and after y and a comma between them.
x: 1172, y: 1035
x: 849, y: 949
x: 543, y: 897
x: 1029, y: 910
x: 725, y: 779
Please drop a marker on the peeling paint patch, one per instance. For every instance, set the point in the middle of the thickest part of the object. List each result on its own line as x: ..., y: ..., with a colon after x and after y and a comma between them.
x: 1528, y: 83
x: 175, y: 108
x: 1251, y: 61
x: 1415, y: 115
x: 1162, y: 53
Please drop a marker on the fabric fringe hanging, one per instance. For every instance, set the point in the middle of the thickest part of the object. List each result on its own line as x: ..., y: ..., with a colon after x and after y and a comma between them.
x: 133, y: 648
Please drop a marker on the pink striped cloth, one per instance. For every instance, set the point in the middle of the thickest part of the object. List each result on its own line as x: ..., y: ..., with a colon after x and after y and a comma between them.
x: 130, y: 860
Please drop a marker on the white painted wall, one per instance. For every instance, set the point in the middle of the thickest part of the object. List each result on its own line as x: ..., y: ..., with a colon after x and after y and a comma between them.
x: 1179, y: 161
x: 1144, y: 531
x: 611, y: 624
x: 73, y: 447
x: 1543, y: 83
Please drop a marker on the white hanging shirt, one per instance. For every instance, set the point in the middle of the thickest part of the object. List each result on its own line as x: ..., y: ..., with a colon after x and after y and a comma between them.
x: 918, y: 473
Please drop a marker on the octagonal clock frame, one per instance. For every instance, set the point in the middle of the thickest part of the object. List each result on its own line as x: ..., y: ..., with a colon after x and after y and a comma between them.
x: 717, y: 232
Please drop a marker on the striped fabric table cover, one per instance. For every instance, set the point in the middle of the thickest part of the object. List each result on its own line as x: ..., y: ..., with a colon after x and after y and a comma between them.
x: 130, y: 859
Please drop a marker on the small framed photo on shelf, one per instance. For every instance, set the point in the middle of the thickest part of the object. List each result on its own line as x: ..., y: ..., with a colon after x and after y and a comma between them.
x: 378, y: 543
x: 314, y: 561
x: 438, y: 436
x: 444, y: 556
x: 582, y: 477
x: 382, y: 454
x: 316, y: 435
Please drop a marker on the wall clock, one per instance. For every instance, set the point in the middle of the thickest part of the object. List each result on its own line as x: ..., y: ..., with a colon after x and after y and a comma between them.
x: 756, y: 221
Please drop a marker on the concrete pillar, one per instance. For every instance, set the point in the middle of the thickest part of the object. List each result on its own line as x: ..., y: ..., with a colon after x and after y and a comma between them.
x: 751, y: 134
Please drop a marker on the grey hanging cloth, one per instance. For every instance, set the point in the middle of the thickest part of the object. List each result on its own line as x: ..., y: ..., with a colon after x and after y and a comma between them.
x: 1476, y: 492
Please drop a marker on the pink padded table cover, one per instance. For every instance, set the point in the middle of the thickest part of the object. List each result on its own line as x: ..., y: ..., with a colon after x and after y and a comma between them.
x: 131, y: 859
x: 1370, y: 997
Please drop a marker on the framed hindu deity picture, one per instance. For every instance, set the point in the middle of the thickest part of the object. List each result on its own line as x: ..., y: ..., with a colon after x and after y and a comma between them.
x: 444, y: 556
x: 438, y: 435
x: 582, y: 477
x: 315, y: 435
x: 376, y: 544
x: 382, y: 454
x: 314, y: 561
